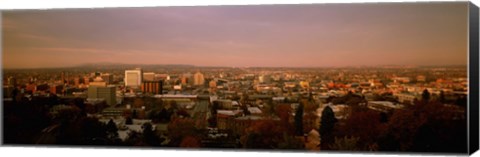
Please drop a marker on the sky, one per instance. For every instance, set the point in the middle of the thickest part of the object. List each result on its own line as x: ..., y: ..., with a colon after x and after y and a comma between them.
x: 315, y: 35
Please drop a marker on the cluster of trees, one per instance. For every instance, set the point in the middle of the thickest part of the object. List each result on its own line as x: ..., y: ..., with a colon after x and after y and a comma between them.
x: 280, y: 133
x: 269, y: 134
x: 429, y: 126
x: 163, y: 113
x: 71, y: 127
x: 183, y: 133
x: 148, y: 137
x: 23, y: 120
x: 426, y: 126
x: 30, y: 121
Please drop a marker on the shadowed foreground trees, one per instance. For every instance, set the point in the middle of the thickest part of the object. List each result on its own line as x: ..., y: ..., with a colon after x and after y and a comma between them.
x: 268, y: 134
x: 23, y: 121
x: 149, y: 135
x: 432, y: 127
x: 425, y: 126
x: 284, y: 111
x: 345, y: 144
x: 365, y: 124
x: 71, y: 128
x: 190, y: 142
x: 182, y: 132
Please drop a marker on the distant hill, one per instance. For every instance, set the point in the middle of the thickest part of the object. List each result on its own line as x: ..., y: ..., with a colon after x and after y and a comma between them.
x: 132, y: 66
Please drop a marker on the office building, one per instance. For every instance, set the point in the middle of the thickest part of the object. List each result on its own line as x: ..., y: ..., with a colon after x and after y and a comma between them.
x: 103, y: 92
x: 12, y: 81
x: 76, y: 81
x: 108, y: 78
x: 421, y: 78
x: 150, y: 76
x: 187, y: 79
x: 198, y: 79
x: 153, y: 87
x: 133, y: 78
x: 86, y: 80
x: 212, y: 84
x: 99, y: 82
x: 56, y: 88
x: 264, y: 78
x: 162, y: 77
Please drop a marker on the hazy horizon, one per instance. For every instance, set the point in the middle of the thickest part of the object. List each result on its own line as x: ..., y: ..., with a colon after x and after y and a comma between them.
x: 90, y: 65
x: 315, y: 35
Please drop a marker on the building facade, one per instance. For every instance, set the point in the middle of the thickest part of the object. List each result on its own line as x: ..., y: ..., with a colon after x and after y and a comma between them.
x: 108, y: 78
x: 198, y: 79
x: 150, y: 76
x: 153, y: 87
x: 133, y: 78
x: 103, y: 92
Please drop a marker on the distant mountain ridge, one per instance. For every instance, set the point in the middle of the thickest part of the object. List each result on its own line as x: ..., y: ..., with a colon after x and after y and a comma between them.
x: 112, y: 65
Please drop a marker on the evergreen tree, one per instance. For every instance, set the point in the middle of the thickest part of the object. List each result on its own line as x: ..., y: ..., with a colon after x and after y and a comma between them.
x: 134, y: 113
x: 299, y: 120
x: 164, y: 115
x: 426, y: 95
x: 112, y: 130
x: 327, y: 123
x: 149, y: 136
x: 310, y: 96
x: 461, y: 101
x: 14, y: 95
x: 128, y: 121
x: 442, y: 97
x: 215, y: 107
x: 383, y: 117
x: 388, y: 142
x: 271, y: 106
x: 245, y: 110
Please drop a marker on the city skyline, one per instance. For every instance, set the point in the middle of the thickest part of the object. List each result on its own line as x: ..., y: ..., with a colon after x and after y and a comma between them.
x: 319, y: 35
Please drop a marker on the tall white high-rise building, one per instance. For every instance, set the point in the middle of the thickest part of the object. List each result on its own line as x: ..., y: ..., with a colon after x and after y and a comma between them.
x: 198, y: 79
x: 133, y: 78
